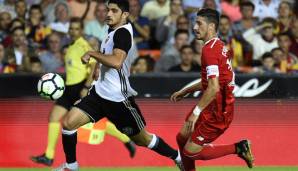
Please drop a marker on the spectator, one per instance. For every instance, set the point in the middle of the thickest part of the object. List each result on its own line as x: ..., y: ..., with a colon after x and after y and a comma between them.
x: 2, y: 56
x: 231, y: 9
x: 280, y: 59
x: 170, y: 55
x: 166, y: 26
x: 21, y: 9
x: 52, y: 59
x: 266, y: 8
x: 294, y: 34
x: 285, y: 16
x: 143, y: 64
x: 5, y: 20
x: 48, y: 8
x: 197, y: 46
x: 140, y: 25
x: 8, y: 6
x: 226, y: 35
x: 268, y: 65
x: 36, y: 31
x: 62, y: 15
x: 213, y: 4
x: 154, y: 9
x: 98, y: 27
x: 239, y: 27
x: 83, y: 9
x: 187, y: 61
x: 18, y: 54
x: 262, y: 38
x: 36, y: 66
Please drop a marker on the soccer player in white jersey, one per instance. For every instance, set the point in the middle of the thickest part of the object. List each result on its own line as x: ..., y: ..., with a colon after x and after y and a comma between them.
x: 112, y: 96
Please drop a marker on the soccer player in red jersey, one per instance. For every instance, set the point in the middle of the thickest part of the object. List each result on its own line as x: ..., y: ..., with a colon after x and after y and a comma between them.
x: 214, y: 112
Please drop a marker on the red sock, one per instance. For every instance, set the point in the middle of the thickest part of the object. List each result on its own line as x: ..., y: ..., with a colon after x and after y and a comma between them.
x: 188, y: 163
x: 212, y: 152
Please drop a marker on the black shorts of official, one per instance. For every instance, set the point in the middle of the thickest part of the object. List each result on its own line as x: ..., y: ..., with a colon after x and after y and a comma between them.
x: 126, y: 115
x: 70, y: 95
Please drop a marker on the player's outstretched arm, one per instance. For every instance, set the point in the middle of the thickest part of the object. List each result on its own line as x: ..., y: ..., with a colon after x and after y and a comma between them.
x: 179, y: 95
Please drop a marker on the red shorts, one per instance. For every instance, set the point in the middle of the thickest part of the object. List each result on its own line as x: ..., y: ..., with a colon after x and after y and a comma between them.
x: 211, y: 123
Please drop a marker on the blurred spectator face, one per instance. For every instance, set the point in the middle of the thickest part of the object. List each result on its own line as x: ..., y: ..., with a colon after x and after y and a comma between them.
x: 224, y: 26
x: 36, y: 67
x: 278, y: 55
x: 54, y: 43
x: 1, y: 52
x: 134, y: 7
x: 35, y: 14
x: 210, y: 4
x: 294, y: 29
x: 181, y: 39
x: 268, y: 63
x: 5, y: 19
x: 187, y: 56
x: 16, y: 23
x: 267, y: 32
x: 19, y: 37
x: 247, y: 12
x: 21, y: 8
x: 182, y: 23
x: 176, y: 7
x: 284, y: 9
x: 61, y: 12
x: 101, y: 12
x: 284, y: 42
x: 75, y: 30
x: 141, y: 66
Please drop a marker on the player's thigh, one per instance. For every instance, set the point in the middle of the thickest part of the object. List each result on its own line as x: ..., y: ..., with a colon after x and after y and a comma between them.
x: 57, y: 112
x: 126, y: 116
x: 74, y: 119
x: 192, y: 147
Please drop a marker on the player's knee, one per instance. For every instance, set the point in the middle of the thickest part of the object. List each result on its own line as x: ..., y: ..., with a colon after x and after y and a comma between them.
x: 67, y: 124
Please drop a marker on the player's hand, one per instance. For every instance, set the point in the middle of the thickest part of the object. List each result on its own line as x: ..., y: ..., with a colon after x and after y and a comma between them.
x: 190, y: 123
x: 177, y: 96
x: 96, y: 72
x: 85, y: 58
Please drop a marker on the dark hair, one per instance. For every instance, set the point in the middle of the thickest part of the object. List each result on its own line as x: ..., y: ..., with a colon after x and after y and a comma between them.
x: 270, y: 20
x: 149, y: 62
x: 277, y: 48
x: 284, y: 34
x: 181, y: 31
x: 35, y: 59
x: 247, y: 4
x: 122, y: 4
x: 77, y: 20
x: 267, y: 55
x: 17, y: 28
x: 211, y: 15
x: 226, y: 17
x: 35, y: 7
x: 186, y: 47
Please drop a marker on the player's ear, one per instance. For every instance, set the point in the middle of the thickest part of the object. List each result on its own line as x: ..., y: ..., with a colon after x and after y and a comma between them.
x: 125, y: 15
x: 211, y: 26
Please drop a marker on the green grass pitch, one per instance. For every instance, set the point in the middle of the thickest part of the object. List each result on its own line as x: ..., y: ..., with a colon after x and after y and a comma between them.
x: 165, y: 169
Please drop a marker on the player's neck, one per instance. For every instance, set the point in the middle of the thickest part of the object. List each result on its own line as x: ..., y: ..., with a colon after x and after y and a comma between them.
x: 209, y: 37
x: 118, y: 25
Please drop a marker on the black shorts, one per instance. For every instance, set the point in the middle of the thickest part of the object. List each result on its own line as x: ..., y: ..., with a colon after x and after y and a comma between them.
x: 125, y: 115
x: 70, y: 95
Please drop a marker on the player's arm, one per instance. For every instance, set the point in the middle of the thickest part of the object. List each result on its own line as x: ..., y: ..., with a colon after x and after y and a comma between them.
x: 178, y: 95
x: 89, y: 80
x: 122, y: 44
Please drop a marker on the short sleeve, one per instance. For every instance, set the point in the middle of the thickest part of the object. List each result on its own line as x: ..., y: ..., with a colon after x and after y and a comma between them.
x: 122, y: 39
x: 211, y: 61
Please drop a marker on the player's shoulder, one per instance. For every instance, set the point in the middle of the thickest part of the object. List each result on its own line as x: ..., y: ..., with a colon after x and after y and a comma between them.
x: 214, y: 43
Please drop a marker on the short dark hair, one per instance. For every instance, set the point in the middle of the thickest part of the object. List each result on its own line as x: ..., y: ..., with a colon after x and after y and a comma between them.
x: 77, y: 20
x: 181, y: 31
x: 211, y: 15
x: 122, y: 4
x: 247, y: 4
x: 226, y: 17
x: 283, y: 34
x: 267, y: 55
x: 35, y: 59
x: 17, y: 28
x: 186, y: 47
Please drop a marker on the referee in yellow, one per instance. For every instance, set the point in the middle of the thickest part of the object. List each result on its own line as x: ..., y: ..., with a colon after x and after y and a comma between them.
x: 79, y: 77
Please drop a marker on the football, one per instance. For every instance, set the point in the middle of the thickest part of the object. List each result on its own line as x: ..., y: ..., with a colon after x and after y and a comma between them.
x: 51, y: 86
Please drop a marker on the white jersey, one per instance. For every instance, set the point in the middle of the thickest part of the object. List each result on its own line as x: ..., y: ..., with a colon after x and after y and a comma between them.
x: 113, y: 84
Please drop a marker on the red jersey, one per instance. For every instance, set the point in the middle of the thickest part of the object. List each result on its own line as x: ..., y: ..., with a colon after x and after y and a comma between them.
x: 216, y: 62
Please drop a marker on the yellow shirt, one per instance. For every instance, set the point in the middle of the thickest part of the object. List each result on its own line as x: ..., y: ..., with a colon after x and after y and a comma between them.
x: 76, y: 71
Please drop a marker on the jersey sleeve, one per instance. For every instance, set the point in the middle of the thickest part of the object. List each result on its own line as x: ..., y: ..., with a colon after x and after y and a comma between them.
x: 122, y: 39
x: 211, y: 61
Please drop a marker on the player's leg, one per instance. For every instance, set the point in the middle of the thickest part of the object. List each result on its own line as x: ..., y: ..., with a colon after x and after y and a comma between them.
x: 54, y: 129
x: 182, y: 138
x: 113, y: 131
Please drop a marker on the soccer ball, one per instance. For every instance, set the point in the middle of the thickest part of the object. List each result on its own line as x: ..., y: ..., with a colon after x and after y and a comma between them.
x: 51, y: 86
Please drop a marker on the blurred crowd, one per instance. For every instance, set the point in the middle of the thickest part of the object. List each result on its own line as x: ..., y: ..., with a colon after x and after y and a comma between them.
x: 262, y: 35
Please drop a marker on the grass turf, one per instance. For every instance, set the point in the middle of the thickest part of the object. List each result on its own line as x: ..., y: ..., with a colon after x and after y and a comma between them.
x: 165, y: 169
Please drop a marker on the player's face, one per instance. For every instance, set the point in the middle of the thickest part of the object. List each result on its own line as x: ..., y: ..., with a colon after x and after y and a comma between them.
x: 115, y: 15
x: 201, y: 28
x: 75, y: 30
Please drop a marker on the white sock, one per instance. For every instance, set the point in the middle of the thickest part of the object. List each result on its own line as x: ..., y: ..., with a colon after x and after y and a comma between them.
x: 72, y: 166
x: 178, y: 158
x: 153, y: 141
